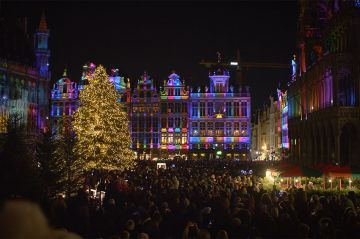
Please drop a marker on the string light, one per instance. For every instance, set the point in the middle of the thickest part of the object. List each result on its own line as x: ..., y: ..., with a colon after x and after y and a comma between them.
x: 101, y: 127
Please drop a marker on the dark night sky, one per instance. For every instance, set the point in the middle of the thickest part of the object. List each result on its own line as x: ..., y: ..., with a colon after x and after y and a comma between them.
x: 159, y: 37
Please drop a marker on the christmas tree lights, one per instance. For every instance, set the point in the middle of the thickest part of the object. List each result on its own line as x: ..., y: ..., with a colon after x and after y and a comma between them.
x: 101, y: 127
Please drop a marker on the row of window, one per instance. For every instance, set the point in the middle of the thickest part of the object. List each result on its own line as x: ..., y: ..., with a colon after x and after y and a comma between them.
x: 174, y: 138
x: 141, y: 124
x: 174, y: 107
x: 60, y: 110
x: 220, y: 146
x: 174, y: 122
x: 145, y: 138
x: 148, y: 95
x: 145, y: 109
x: 231, y: 109
x: 174, y: 92
x: 14, y: 93
x: 220, y: 129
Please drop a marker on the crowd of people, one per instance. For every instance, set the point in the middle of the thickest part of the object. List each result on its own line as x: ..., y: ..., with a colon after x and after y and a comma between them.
x: 189, y: 199
x: 203, y: 199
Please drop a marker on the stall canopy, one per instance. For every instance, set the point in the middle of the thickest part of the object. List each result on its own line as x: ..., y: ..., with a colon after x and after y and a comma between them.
x: 341, y: 171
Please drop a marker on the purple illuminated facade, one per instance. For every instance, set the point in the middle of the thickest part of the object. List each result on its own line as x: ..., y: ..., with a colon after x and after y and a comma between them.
x: 174, y: 117
x: 219, y: 119
x: 323, y: 96
x: 24, y: 90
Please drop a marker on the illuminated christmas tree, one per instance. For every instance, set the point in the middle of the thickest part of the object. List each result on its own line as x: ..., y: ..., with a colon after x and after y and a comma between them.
x: 101, y: 127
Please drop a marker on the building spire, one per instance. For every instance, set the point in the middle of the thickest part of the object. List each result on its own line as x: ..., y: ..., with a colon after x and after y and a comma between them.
x: 43, y: 24
x: 65, y: 72
x: 218, y: 57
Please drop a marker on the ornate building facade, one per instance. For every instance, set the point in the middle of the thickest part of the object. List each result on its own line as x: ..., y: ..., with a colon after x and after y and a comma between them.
x: 144, y: 117
x: 24, y: 89
x: 266, y: 137
x: 219, y: 119
x: 64, y: 102
x: 323, y: 98
x: 174, y: 117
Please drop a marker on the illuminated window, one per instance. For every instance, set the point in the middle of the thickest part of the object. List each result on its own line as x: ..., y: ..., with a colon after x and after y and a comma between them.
x: 194, y: 109
x: 219, y: 128
x: 202, y: 109
x: 210, y: 108
x: 184, y: 138
x: 195, y: 129
x: 170, y: 138
x: 163, y: 138
x: 236, y: 108
x: 243, y: 109
x: 177, y: 138
x: 210, y: 128
x: 228, y: 129
x: 243, y: 129
x: 236, y: 129
x: 156, y: 109
x: 202, y: 129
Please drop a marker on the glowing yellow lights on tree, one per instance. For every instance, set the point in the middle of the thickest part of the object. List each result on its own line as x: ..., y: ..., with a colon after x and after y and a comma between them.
x: 101, y: 127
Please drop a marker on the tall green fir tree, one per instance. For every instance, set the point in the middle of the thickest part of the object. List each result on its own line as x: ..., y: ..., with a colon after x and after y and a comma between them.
x: 102, y: 134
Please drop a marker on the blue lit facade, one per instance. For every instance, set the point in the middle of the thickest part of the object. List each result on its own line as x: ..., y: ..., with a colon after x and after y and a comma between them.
x: 219, y: 119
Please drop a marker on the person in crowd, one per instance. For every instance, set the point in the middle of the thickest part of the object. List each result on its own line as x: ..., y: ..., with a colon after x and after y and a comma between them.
x: 202, y: 200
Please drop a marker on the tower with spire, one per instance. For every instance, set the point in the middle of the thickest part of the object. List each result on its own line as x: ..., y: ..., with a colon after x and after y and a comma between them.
x: 42, y: 52
x: 42, y: 56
